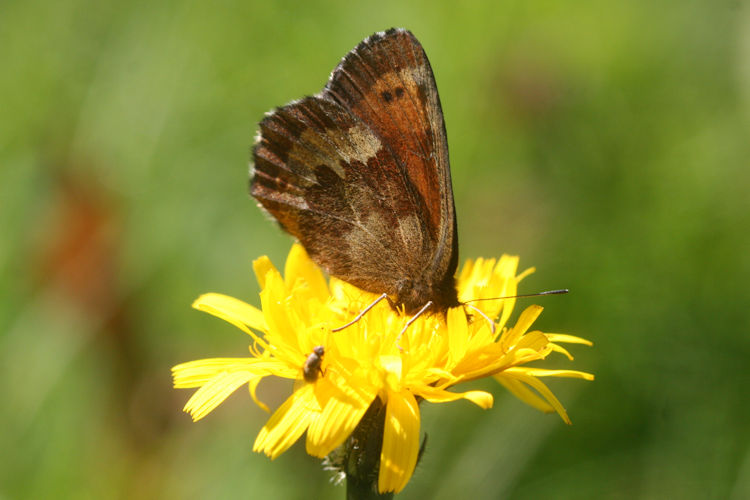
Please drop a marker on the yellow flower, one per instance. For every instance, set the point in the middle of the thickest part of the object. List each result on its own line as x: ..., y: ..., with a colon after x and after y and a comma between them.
x: 339, y: 375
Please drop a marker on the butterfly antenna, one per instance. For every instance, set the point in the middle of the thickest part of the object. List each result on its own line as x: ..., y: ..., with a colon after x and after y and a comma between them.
x: 492, y: 323
x: 361, y: 313
x: 548, y: 292
x: 412, y: 320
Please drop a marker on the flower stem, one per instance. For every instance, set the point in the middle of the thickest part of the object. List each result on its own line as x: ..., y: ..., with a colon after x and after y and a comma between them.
x: 362, y: 456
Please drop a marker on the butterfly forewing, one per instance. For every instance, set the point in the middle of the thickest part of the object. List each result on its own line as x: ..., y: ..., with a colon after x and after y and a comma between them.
x: 359, y: 174
x: 388, y: 82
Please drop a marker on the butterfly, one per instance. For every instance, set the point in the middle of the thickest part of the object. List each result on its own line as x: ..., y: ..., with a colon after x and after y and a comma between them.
x: 359, y: 174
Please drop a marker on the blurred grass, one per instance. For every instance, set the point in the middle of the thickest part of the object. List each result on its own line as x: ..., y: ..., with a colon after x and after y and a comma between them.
x: 606, y: 143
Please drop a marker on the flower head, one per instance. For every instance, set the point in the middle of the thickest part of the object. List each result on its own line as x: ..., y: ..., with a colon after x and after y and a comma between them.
x: 378, y: 359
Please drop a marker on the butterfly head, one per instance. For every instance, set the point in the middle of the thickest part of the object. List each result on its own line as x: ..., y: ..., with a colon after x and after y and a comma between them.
x: 413, y: 294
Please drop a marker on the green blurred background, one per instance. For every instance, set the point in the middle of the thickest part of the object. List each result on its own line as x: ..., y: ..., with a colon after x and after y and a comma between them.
x: 607, y: 144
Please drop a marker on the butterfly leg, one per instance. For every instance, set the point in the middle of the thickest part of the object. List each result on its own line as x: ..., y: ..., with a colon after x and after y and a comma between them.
x: 476, y: 309
x: 412, y: 320
x: 361, y: 313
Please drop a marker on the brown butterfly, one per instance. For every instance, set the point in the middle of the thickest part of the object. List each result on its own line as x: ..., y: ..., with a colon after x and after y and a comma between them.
x: 359, y: 173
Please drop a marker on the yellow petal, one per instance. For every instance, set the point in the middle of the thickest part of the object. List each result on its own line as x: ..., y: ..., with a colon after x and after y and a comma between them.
x: 262, y: 266
x: 281, y: 327
x: 287, y: 423
x: 567, y: 339
x: 527, y: 318
x: 480, y: 398
x: 505, y: 275
x: 339, y: 418
x: 542, y: 372
x: 541, y: 388
x: 239, y: 313
x: 400, y: 442
x: 458, y: 335
x: 561, y: 350
x: 199, y: 372
x: 525, y: 273
x: 392, y: 364
x: 253, y: 388
x: 214, y: 392
x: 522, y: 392
x: 463, y: 276
x: 299, y: 267
x: 534, y: 340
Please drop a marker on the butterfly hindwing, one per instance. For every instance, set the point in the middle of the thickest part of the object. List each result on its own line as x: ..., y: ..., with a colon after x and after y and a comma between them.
x: 330, y: 182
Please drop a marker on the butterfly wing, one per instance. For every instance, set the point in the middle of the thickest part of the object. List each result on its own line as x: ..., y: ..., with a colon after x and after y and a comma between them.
x: 387, y: 81
x: 331, y: 182
x: 372, y: 205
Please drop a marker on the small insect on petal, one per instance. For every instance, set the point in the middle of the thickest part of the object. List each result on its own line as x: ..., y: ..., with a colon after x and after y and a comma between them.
x: 311, y: 369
